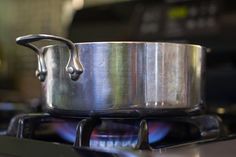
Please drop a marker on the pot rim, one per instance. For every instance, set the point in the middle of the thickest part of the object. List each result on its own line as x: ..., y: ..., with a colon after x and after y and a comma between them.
x: 129, y: 42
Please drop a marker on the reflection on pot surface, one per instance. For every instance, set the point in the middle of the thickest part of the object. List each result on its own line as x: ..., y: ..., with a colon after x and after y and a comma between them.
x: 119, y: 76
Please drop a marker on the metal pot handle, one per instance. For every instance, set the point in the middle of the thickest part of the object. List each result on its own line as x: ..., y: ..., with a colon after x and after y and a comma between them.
x: 73, y: 67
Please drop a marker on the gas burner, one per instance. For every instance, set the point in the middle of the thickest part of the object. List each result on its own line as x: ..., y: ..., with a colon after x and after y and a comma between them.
x: 144, y: 133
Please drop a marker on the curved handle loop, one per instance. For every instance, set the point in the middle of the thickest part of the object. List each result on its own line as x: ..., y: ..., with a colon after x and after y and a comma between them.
x: 73, y: 67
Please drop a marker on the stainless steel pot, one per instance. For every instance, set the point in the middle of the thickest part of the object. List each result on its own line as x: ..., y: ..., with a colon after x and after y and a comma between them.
x: 119, y: 78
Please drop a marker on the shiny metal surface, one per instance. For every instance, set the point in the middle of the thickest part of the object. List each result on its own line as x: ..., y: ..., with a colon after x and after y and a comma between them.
x: 73, y: 67
x: 125, y: 76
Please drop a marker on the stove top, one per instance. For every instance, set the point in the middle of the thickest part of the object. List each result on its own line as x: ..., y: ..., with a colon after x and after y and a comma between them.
x: 141, y: 133
x: 11, y: 146
x: 41, y: 134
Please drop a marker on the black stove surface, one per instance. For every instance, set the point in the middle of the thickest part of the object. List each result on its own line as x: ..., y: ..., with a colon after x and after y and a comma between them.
x: 41, y: 134
x: 13, y: 147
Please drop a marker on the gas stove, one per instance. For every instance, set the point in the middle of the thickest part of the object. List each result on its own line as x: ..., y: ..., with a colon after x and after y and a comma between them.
x: 10, y: 146
x: 42, y: 134
x: 140, y: 133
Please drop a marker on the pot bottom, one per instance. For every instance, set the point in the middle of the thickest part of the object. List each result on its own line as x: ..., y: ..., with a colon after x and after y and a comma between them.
x: 128, y: 113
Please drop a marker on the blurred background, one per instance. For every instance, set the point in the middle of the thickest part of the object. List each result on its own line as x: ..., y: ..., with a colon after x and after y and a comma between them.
x: 210, y: 23
x: 17, y: 18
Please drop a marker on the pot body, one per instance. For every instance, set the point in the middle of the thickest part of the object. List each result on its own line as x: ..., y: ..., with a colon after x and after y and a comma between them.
x: 125, y: 78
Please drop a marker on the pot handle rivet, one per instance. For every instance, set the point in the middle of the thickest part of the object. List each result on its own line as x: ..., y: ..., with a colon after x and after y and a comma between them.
x: 74, y: 67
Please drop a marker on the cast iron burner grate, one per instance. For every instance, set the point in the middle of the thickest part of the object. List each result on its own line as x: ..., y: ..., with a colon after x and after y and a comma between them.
x: 24, y: 126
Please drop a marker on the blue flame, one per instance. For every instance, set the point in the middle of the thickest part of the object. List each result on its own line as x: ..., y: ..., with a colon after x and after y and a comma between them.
x: 67, y: 131
x: 157, y: 132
